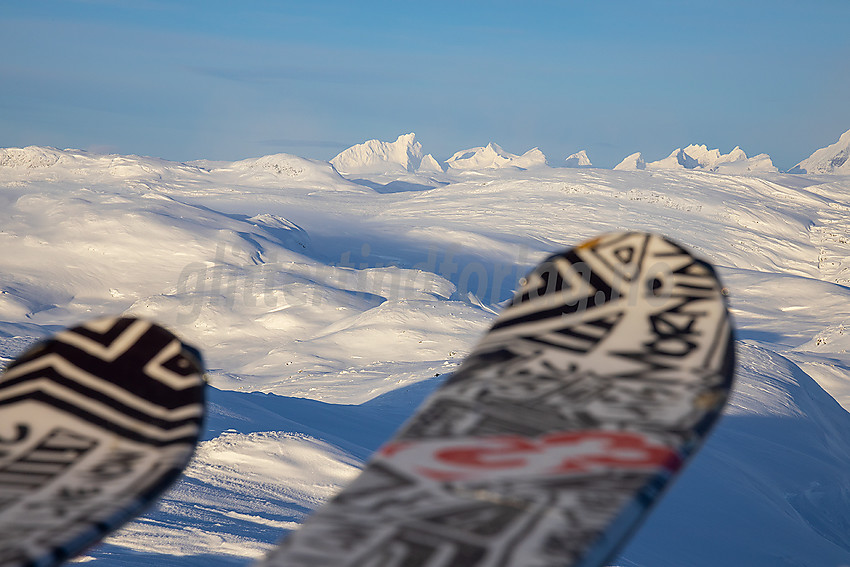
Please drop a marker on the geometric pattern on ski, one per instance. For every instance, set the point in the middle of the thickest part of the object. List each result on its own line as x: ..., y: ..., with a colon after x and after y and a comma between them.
x: 94, y: 424
x: 556, y: 435
x: 553, y: 439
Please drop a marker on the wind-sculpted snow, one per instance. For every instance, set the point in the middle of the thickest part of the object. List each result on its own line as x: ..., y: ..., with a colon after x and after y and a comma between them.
x: 327, y: 304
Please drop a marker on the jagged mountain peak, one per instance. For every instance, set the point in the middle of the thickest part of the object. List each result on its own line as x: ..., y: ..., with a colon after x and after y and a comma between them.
x: 375, y: 156
x: 632, y: 162
x: 699, y: 157
x: 578, y: 159
x: 834, y: 158
x: 493, y: 156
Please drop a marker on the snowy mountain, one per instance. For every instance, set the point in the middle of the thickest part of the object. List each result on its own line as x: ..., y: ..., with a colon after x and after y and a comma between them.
x: 834, y: 158
x: 429, y: 165
x: 374, y: 156
x: 390, y: 167
x: 31, y: 157
x: 327, y: 309
x: 578, y: 159
x: 699, y: 157
x: 46, y: 161
x: 492, y: 156
x: 377, y: 160
x: 632, y: 162
x: 284, y: 165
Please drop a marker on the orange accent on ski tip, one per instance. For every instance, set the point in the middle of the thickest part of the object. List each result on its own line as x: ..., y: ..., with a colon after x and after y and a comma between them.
x: 589, y: 243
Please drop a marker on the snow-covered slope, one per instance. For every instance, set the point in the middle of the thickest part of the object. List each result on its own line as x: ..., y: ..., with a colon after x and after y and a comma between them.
x: 779, y: 421
x: 835, y: 158
x: 278, y: 166
x: 327, y: 310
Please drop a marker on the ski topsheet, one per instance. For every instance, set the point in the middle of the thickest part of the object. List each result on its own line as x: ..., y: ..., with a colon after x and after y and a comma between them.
x: 553, y: 439
x: 94, y: 424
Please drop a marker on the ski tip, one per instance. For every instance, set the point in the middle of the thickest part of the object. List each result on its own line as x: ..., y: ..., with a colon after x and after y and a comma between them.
x: 95, y: 423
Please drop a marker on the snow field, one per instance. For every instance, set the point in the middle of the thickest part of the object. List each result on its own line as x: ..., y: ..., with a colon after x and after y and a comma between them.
x: 329, y: 303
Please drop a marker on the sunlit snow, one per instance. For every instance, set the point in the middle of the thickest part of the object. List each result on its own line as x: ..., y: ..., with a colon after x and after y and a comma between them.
x: 330, y: 298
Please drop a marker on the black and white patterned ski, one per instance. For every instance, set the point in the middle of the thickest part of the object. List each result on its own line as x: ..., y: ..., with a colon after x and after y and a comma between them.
x: 555, y: 437
x: 94, y: 424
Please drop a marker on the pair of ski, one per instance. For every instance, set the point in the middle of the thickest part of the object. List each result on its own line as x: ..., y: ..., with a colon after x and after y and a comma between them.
x: 547, y: 447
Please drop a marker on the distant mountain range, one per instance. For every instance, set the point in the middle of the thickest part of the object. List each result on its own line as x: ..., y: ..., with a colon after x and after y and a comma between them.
x: 405, y: 155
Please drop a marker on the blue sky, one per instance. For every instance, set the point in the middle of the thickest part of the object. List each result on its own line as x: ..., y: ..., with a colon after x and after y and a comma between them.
x: 228, y: 80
